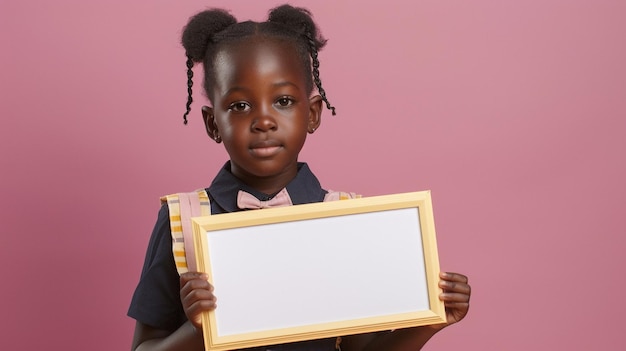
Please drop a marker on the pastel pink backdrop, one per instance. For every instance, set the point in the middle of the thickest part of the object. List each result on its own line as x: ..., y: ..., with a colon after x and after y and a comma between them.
x: 512, y: 112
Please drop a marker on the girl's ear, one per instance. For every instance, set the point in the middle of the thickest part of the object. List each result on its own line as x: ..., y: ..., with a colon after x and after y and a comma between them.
x: 315, y: 113
x: 210, y: 125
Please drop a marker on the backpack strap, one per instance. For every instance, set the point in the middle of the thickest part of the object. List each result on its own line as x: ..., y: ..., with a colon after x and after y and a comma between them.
x: 182, y: 207
x: 340, y: 195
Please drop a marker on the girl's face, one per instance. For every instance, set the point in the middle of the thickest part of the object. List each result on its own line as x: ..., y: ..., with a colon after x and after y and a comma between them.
x: 261, y: 110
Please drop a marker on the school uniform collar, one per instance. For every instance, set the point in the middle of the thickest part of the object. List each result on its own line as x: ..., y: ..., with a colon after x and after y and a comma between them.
x: 304, y: 188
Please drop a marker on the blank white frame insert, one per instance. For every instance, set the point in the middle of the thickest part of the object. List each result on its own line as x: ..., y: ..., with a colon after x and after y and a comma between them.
x: 319, y: 270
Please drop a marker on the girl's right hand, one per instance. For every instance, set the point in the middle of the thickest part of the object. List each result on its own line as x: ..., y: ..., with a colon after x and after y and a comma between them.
x: 196, y: 295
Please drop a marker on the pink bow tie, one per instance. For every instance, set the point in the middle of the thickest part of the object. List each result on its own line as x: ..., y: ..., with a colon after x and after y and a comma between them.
x: 247, y: 201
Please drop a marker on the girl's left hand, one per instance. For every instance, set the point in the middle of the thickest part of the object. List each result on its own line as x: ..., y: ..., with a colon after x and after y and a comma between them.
x: 456, y: 296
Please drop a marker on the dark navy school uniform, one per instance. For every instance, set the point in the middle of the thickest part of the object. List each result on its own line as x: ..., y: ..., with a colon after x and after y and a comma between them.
x: 156, y: 301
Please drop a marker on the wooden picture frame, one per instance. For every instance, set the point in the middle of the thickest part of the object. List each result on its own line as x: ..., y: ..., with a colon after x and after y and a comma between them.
x: 319, y: 270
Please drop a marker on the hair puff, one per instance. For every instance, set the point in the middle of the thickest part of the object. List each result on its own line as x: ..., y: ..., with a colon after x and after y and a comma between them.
x: 299, y: 20
x: 198, y: 31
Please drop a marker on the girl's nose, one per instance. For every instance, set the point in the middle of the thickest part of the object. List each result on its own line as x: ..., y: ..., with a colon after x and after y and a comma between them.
x: 264, y: 121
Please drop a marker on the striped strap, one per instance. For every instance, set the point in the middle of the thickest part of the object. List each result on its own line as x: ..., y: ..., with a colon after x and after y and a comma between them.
x: 340, y: 195
x: 182, y: 207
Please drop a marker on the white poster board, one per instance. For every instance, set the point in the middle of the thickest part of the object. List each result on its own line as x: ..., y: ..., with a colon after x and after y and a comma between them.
x: 319, y: 270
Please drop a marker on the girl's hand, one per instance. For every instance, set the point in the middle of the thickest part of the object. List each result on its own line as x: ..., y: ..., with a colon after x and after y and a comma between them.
x: 456, y: 297
x: 196, y: 295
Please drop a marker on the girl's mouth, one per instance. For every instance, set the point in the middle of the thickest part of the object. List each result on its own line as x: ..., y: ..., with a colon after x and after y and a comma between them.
x: 267, y: 148
x: 266, y: 151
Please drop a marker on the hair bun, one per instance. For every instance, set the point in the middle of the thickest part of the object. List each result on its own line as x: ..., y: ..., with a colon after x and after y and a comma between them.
x: 200, y: 28
x: 299, y: 20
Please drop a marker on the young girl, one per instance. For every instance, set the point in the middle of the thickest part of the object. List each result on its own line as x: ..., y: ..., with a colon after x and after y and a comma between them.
x: 259, y: 78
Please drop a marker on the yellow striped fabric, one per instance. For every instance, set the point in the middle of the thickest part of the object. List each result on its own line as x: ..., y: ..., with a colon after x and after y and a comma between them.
x: 340, y: 195
x: 178, y: 238
x: 348, y: 196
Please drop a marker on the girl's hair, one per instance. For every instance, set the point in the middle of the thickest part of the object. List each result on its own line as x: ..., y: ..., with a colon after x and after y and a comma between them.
x: 207, y: 31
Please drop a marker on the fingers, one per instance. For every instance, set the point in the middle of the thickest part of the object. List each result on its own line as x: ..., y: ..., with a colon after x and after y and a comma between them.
x: 457, y: 306
x: 455, y: 296
x: 453, y: 277
x: 190, y: 276
x: 196, y: 293
x: 455, y: 288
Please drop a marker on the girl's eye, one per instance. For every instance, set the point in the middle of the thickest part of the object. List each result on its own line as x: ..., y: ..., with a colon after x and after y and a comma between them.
x: 284, y: 101
x: 239, y: 107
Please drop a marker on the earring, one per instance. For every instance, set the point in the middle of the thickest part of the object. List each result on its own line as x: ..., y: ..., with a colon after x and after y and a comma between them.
x: 216, y: 135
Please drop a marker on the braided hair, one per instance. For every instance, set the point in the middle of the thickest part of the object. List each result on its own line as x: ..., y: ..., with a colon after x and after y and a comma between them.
x: 207, y: 31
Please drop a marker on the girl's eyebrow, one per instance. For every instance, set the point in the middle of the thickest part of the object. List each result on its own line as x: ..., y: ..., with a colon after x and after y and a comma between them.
x: 235, y: 89
x: 274, y: 85
x: 285, y: 83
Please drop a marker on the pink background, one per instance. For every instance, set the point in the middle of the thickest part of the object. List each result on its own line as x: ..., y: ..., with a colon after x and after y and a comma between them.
x: 512, y: 112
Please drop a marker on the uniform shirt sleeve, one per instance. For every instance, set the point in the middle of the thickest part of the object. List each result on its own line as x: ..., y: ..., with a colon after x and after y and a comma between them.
x: 156, y: 301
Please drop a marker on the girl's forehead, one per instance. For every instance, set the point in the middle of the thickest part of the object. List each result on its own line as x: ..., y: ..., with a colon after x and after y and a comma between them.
x: 258, y: 54
x: 255, y: 45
